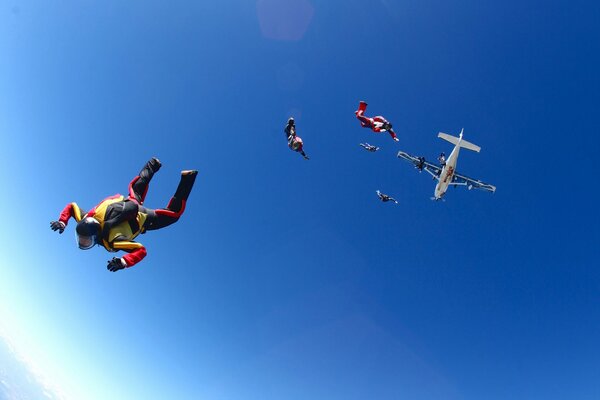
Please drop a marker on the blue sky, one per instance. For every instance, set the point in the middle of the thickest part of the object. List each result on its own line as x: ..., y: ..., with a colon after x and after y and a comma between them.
x: 287, y: 278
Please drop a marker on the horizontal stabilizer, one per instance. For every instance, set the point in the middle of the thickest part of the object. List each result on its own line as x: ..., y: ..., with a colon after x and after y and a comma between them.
x: 463, y: 143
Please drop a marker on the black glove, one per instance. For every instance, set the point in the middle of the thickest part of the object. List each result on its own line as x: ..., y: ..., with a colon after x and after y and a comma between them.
x: 115, y: 264
x: 57, y: 226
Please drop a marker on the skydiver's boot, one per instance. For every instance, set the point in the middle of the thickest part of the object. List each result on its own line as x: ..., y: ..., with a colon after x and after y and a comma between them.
x: 139, y: 185
x: 186, y: 183
x: 150, y: 168
x: 177, y: 202
x: 164, y: 217
x: 362, y: 107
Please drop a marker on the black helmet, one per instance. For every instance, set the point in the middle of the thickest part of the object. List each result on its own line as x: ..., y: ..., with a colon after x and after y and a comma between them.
x: 87, y: 233
x: 291, y: 121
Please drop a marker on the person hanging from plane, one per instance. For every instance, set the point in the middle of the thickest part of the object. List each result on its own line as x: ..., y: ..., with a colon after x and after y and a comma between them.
x: 369, y: 147
x: 377, y: 124
x: 294, y: 141
x: 384, y: 197
x: 116, y: 221
x: 442, y: 159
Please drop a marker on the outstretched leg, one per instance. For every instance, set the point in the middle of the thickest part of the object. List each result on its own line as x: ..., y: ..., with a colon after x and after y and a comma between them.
x: 164, y: 217
x: 362, y: 107
x: 139, y: 185
x: 364, y: 121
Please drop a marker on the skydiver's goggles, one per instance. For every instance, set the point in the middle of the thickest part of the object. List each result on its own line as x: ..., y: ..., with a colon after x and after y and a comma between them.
x: 87, y: 233
x: 86, y: 242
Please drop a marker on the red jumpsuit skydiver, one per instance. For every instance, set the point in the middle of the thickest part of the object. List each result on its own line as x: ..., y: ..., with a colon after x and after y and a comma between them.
x: 117, y: 220
x: 377, y: 124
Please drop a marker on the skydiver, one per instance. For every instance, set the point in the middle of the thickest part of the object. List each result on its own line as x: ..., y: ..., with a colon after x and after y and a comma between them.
x: 377, y: 124
x: 442, y: 159
x: 294, y: 141
x: 421, y: 163
x: 369, y: 147
x: 117, y: 220
x: 385, y: 198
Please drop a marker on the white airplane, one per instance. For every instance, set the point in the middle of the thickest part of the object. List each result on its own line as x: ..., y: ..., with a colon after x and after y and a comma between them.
x: 446, y: 174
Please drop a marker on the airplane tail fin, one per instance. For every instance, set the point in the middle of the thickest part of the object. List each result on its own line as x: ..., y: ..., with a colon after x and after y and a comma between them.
x: 459, y: 140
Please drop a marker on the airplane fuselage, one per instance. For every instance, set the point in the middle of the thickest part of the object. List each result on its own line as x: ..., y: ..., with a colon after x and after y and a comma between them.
x: 447, y: 173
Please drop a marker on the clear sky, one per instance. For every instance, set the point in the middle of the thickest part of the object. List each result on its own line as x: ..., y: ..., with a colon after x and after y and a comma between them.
x: 286, y: 278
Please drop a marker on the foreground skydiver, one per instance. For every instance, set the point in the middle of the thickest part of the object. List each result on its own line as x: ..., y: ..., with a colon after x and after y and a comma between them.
x: 117, y: 220
x: 385, y: 198
x: 377, y: 124
x: 369, y: 147
x: 294, y: 141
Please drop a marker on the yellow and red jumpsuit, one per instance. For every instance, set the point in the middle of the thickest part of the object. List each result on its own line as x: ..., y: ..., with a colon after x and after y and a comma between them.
x: 123, y: 219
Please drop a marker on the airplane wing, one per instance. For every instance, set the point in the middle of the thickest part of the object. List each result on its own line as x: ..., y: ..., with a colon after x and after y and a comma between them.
x: 434, y: 170
x: 421, y: 164
x: 470, y: 183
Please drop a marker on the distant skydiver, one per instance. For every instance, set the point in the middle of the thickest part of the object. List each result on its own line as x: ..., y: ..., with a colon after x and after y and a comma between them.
x: 294, y: 141
x: 377, y: 124
x: 117, y: 220
x: 369, y: 147
x: 385, y: 198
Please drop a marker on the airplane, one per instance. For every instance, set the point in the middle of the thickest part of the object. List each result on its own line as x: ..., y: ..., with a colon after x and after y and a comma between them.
x: 446, y: 174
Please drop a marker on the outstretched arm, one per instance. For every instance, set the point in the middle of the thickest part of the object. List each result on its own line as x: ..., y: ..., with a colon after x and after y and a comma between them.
x: 71, y: 210
x: 136, y: 251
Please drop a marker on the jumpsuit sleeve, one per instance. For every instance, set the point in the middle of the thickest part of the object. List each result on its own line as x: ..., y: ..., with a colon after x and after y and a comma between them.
x: 71, y: 210
x: 136, y: 251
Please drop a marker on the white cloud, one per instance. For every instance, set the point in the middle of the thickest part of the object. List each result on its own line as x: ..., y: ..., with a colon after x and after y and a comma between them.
x: 50, y: 389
